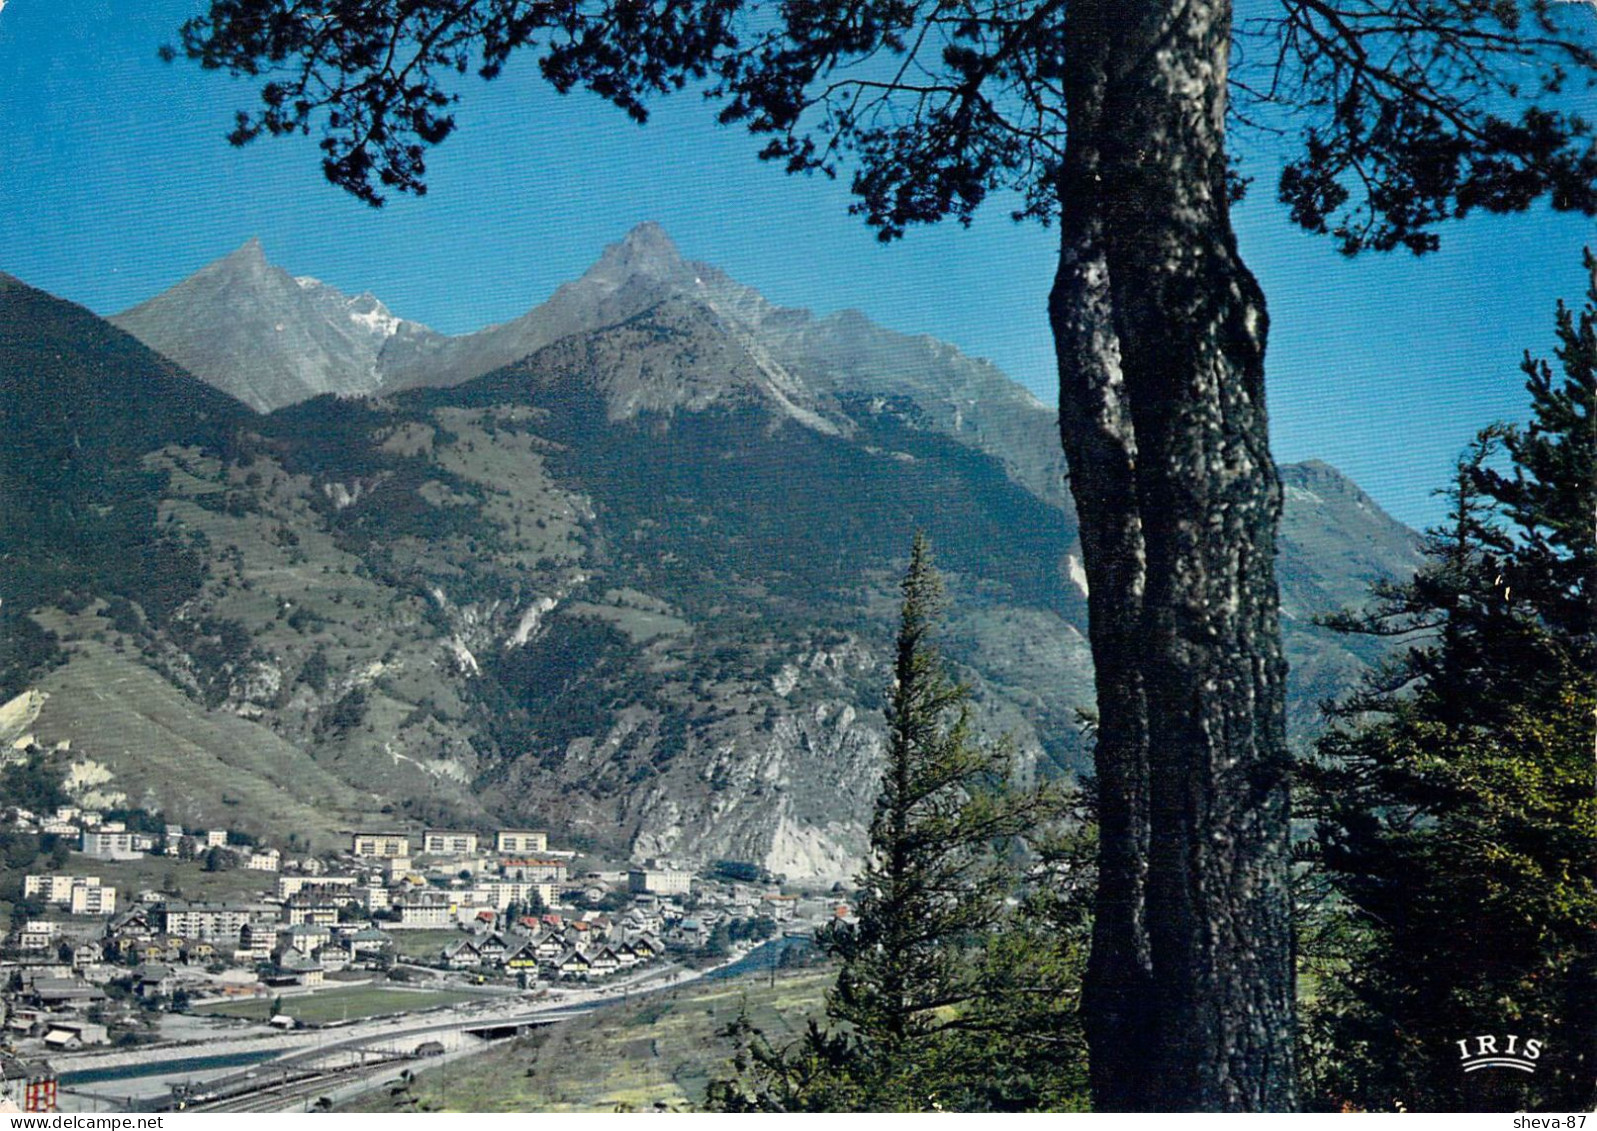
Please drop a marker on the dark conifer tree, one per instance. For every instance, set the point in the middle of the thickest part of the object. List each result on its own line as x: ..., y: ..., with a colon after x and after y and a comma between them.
x: 1456, y: 807
x: 931, y: 900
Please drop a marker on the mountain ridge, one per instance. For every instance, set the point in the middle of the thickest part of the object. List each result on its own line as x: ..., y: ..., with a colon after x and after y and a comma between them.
x: 199, y: 324
x: 638, y: 585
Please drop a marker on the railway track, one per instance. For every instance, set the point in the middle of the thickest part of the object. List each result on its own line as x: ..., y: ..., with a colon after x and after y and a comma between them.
x: 296, y: 1093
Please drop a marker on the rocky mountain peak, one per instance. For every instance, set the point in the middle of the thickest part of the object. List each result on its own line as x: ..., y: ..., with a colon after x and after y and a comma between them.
x: 646, y: 253
x: 267, y: 338
x: 249, y: 258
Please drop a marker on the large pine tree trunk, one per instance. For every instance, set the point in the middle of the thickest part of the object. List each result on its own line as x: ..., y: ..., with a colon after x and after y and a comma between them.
x: 1100, y: 450
x: 1160, y: 331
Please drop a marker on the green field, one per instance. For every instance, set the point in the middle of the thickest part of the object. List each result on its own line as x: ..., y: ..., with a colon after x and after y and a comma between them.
x: 424, y: 944
x: 189, y: 877
x: 661, y: 1050
x: 342, y: 1004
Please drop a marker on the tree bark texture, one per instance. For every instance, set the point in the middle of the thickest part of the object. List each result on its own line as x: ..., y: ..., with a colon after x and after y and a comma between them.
x: 1160, y: 332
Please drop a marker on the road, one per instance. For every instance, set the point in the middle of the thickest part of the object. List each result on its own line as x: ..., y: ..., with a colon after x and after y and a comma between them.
x: 318, y: 1052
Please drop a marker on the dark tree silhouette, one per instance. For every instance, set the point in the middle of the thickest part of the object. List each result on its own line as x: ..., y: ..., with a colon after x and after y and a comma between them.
x: 1454, y: 800
x: 1111, y: 118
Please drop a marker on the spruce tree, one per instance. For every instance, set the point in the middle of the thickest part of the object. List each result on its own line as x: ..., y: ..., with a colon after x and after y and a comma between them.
x: 1455, y: 803
x: 931, y: 900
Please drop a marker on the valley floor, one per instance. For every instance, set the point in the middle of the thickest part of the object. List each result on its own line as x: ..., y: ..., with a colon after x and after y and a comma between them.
x: 654, y: 1053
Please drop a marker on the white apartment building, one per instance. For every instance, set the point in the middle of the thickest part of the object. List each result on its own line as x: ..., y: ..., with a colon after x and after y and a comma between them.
x: 536, y: 869
x: 36, y: 935
x: 291, y: 885
x: 213, y: 922
x: 502, y: 893
x: 55, y: 888
x: 92, y: 899
x: 381, y: 846
x: 108, y: 843
x: 659, y: 881
x: 426, y: 909
x: 513, y: 841
x: 445, y: 842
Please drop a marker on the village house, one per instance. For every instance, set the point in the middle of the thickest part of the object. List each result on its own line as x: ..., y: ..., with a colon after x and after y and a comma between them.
x: 462, y: 954
x: 549, y: 947
x: 335, y: 956
x: 646, y: 946
x: 57, y: 994
x: 134, y: 921
x: 297, y: 969
x: 36, y: 934
x: 314, y: 905
x: 66, y: 1035
x: 522, y: 956
x: 370, y: 943
x: 572, y: 963
x: 268, y: 860
x: 307, y: 938
x: 255, y: 943
x: 602, y: 960
x: 198, y: 952
x: 781, y: 908
x: 27, y: 1085
x: 154, y: 979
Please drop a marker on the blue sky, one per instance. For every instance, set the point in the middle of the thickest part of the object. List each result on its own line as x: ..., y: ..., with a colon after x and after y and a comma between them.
x: 115, y: 182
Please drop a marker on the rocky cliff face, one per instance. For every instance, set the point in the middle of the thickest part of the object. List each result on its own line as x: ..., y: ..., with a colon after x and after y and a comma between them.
x: 637, y: 583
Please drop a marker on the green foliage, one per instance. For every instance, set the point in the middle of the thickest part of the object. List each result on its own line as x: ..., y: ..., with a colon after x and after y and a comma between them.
x: 34, y: 783
x: 337, y: 442
x: 940, y: 984
x: 1401, y: 116
x: 314, y: 672
x: 345, y: 715
x: 220, y: 649
x: 83, y: 402
x: 711, y: 514
x: 558, y: 687
x: 26, y: 651
x: 19, y: 850
x: 1455, y: 806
